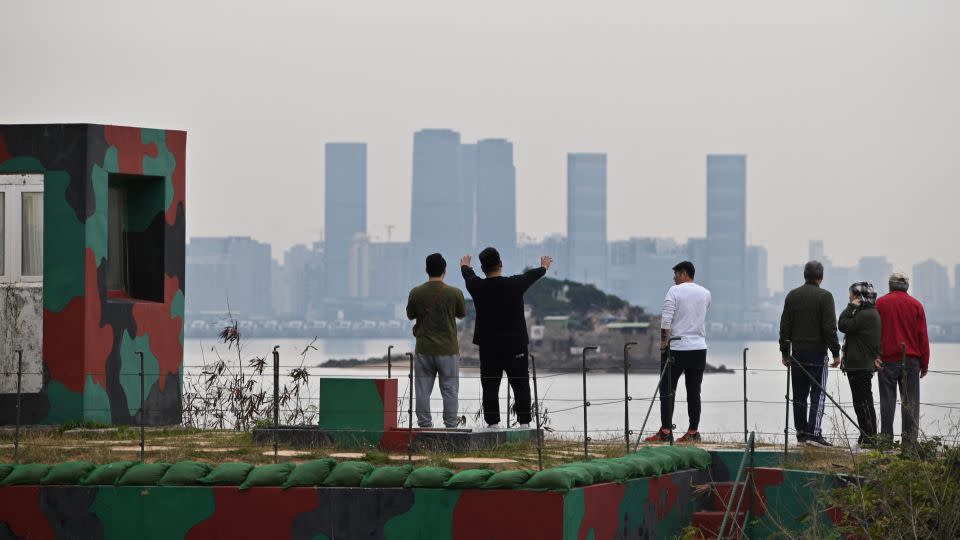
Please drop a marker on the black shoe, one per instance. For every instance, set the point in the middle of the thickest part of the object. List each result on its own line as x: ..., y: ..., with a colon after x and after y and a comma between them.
x: 818, y: 440
x: 802, y: 439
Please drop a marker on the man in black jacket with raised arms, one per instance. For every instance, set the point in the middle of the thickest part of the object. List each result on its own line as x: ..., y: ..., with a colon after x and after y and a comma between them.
x: 501, y: 331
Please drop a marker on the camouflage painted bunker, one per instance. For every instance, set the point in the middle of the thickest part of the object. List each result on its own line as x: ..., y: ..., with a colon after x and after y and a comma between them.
x: 92, y: 223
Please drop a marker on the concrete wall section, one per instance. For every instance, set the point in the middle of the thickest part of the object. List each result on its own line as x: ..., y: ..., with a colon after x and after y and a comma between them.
x: 21, y: 327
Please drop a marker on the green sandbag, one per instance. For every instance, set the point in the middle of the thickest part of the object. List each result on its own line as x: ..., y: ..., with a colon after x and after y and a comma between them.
x: 227, y: 474
x: 310, y: 473
x: 469, y: 479
x: 68, y: 473
x: 267, y: 475
x: 348, y: 474
x: 428, y: 477
x: 510, y: 479
x: 557, y: 478
x: 389, y: 476
x: 641, y: 466
x: 601, y: 471
x: 26, y: 474
x: 660, y: 463
x: 697, y: 457
x: 620, y: 470
x: 581, y: 475
x: 144, y: 474
x: 4, y: 471
x: 106, y: 474
x: 680, y: 456
x: 185, y: 473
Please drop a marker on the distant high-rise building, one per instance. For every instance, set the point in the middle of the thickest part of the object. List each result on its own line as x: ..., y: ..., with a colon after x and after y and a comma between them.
x: 345, y: 211
x: 756, y: 276
x: 297, y: 280
x: 640, y: 270
x: 874, y: 270
x: 229, y: 272
x: 468, y: 185
x: 816, y: 251
x: 726, y: 235
x: 437, y: 209
x: 496, y: 181
x: 930, y: 284
x: 956, y: 289
x: 587, y: 217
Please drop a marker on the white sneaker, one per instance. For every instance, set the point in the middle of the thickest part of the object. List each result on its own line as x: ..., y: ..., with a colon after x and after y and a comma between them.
x: 492, y: 427
x: 524, y: 426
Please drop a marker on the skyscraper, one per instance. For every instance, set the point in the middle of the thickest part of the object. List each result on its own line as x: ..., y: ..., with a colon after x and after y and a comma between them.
x: 875, y: 270
x: 726, y: 235
x: 931, y: 286
x: 232, y: 271
x: 756, y: 276
x: 437, y: 220
x: 468, y: 186
x: 587, y: 217
x: 345, y: 210
x: 497, y: 199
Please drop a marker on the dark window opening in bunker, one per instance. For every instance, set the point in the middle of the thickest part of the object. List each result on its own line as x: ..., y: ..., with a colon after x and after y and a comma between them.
x: 135, y: 237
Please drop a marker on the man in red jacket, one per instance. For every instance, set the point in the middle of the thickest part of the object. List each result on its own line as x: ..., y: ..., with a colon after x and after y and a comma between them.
x: 905, y: 357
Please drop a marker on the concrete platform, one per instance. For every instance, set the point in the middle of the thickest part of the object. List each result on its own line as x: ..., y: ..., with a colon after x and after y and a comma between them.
x: 394, y: 439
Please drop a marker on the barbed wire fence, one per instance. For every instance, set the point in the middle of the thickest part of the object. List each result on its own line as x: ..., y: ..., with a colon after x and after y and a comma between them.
x: 234, y: 392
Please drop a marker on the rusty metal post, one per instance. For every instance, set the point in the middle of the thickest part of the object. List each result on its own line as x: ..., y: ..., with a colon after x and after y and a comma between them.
x: 410, y: 414
x: 276, y: 401
x: 626, y: 394
x: 586, y: 438
x: 389, y: 362
x: 745, y: 349
x: 536, y: 410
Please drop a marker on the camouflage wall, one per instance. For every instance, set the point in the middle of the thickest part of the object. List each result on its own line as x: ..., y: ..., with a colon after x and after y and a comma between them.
x: 640, y: 508
x: 89, y: 365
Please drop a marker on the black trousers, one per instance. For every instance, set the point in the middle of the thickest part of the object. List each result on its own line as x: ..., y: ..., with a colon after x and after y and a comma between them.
x: 494, y: 362
x: 861, y: 390
x: 690, y: 364
x: 814, y: 367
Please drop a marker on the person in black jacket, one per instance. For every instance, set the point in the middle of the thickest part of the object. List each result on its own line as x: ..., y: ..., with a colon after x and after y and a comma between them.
x: 501, y: 331
x: 860, y: 324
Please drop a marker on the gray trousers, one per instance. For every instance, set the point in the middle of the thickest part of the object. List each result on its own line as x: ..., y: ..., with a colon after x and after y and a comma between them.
x: 427, y: 367
x: 907, y: 379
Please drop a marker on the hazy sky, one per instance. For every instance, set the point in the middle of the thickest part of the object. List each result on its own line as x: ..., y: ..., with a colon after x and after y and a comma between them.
x: 849, y: 112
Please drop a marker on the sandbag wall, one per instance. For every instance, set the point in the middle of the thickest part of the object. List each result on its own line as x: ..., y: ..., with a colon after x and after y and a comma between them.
x: 126, y: 500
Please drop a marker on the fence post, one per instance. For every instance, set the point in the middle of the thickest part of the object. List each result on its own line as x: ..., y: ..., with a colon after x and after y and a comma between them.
x: 16, y: 433
x: 276, y: 401
x: 626, y: 395
x: 389, y: 362
x: 536, y: 410
x: 745, y: 349
x: 786, y: 419
x: 143, y: 412
x: 410, y: 413
x: 586, y: 438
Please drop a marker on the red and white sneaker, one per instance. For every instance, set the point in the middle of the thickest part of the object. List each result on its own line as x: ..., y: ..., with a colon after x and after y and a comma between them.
x: 690, y: 437
x: 659, y: 436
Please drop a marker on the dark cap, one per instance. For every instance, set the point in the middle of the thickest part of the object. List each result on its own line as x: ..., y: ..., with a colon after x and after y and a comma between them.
x: 489, y: 260
x: 685, y: 267
x: 436, y: 265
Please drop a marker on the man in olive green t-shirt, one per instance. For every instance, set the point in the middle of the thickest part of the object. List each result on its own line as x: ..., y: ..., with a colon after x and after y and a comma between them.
x: 436, y: 306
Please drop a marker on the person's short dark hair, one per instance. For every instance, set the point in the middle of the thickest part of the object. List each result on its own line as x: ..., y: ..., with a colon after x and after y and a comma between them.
x: 813, y: 271
x: 686, y: 267
x: 489, y: 260
x: 436, y: 265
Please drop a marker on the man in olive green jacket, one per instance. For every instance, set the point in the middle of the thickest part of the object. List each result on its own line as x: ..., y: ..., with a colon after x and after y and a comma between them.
x: 860, y: 324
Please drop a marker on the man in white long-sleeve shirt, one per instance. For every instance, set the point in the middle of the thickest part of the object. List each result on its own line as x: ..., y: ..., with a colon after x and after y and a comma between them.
x: 684, y: 315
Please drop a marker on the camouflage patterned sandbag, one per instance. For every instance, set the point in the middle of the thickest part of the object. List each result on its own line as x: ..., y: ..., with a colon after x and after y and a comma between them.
x: 227, y: 474
x: 143, y: 474
x: 267, y: 475
x: 348, y: 474
x: 106, y: 474
x: 68, y: 473
x: 5, y: 470
x: 510, y: 479
x: 428, y: 477
x: 185, y: 473
x: 310, y: 473
x: 469, y: 479
x: 389, y: 476
x: 26, y: 474
x: 555, y: 479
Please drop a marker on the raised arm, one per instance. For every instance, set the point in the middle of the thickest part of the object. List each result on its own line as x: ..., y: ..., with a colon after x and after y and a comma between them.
x: 469, y: 276
x: 531, y: 276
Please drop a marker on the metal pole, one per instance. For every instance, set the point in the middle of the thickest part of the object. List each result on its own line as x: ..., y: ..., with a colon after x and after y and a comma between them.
x: 626, y: 394
x: 586, y: 438
x: 656, y: 391
x: 276, y: 400
x: 786, y: 419
x: 745, y: 349
x: 673, y: 391
x: 389, y: 362
x: 142, y: 410
x: 16, y: 433
x: 410, y: 413
x: 536, y: 411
